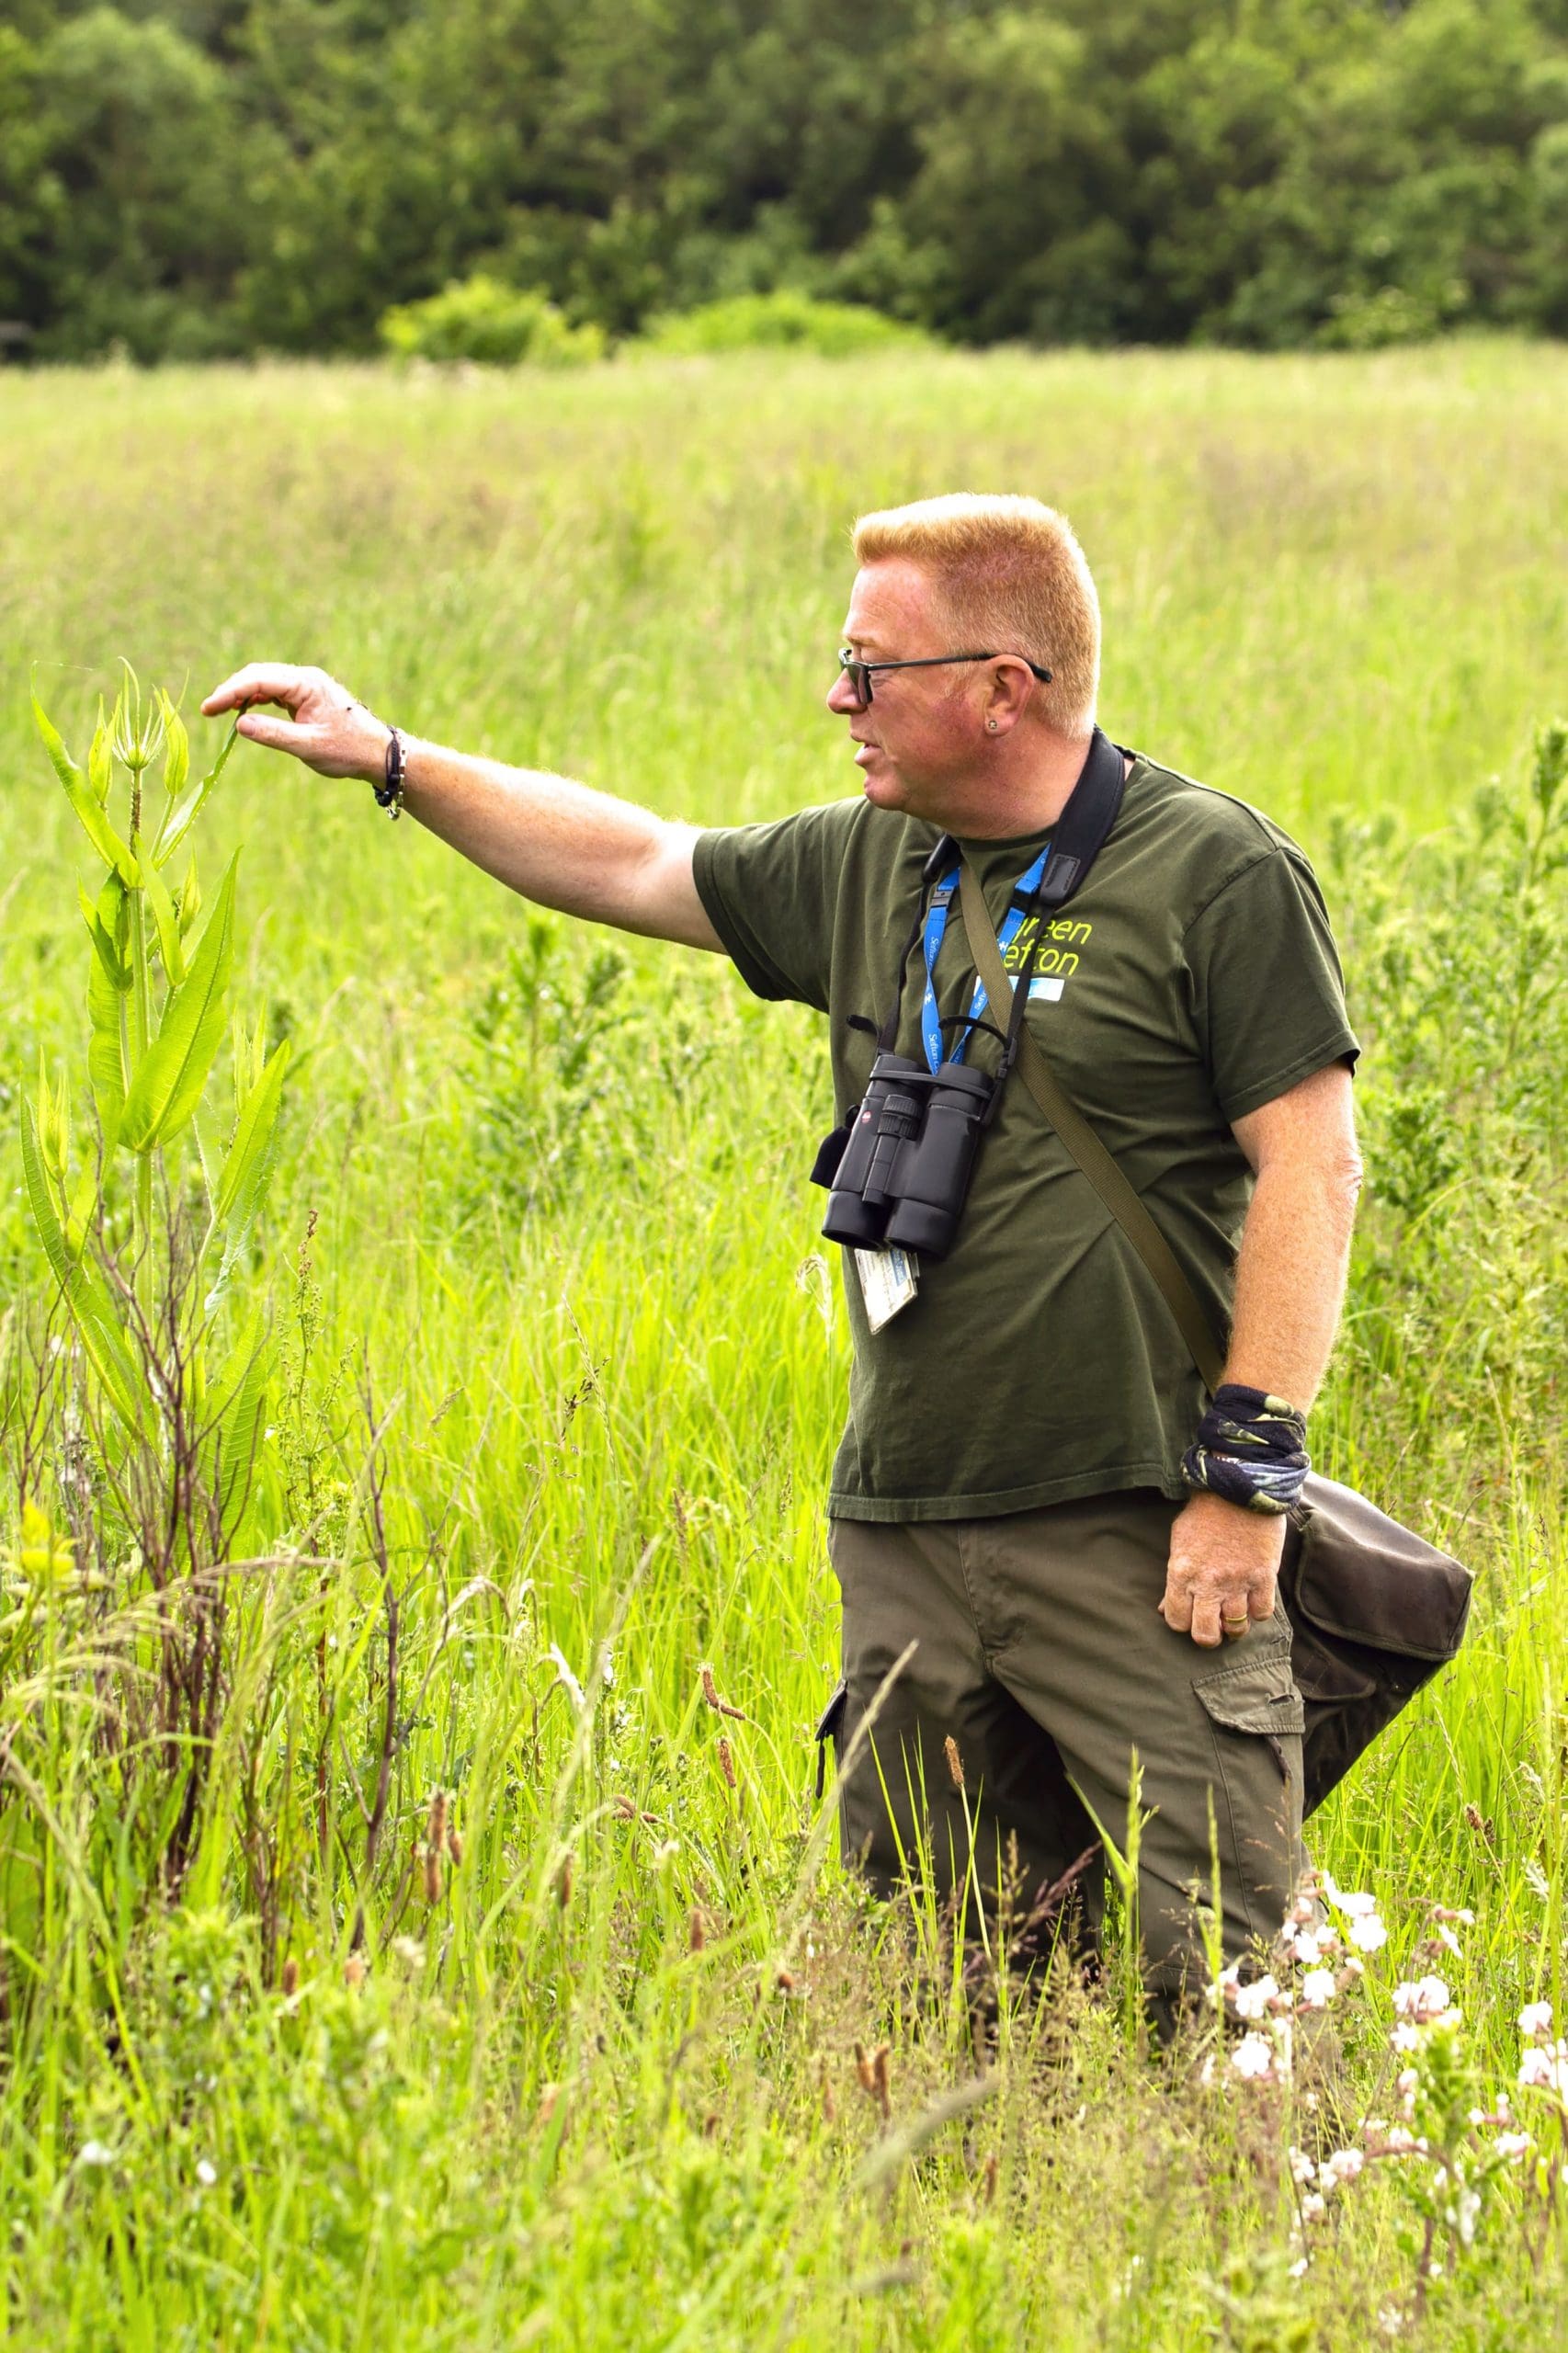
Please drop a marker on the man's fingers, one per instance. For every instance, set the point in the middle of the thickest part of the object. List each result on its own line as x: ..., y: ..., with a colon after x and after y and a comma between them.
x: 278, y: 734
x: 1205, y: 1627
x: 1175, y: 1609
x: 259, y: 682
x: 1260, y: 1600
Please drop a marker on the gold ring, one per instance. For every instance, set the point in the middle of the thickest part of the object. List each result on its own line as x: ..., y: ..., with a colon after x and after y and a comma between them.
x: 1233, y: 1628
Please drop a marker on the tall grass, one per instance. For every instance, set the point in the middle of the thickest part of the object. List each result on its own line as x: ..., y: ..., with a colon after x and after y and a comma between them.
x: 571, y: 2060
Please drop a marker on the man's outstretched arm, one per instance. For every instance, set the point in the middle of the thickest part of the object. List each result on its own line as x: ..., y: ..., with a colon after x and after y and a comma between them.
x: 556, y: 842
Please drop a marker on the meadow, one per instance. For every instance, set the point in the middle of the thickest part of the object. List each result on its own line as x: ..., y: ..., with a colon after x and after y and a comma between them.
x: 506, y: 1990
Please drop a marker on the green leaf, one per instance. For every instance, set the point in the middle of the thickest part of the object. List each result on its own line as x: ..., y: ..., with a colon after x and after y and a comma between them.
x: 84, y: 1290
x: 100, y: 759
x: 179, y: 819
x: 106, y: 1055
x: 163, y: 915
x: 187, y: 898
x: 246, y: 1173
x: 40, y: 1199
x: 253, y: 1134
x: 166, y: 1086
x: 176, y: 746
x: 239, y: 1395
x: 83, y: 1201
x: 83, y: 799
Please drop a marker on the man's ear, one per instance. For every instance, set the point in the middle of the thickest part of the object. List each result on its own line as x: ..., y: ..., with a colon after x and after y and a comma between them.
x: 1009, y: 686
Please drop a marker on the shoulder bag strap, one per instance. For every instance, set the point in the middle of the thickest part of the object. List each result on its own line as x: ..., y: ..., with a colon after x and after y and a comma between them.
x: 1099, y: 1165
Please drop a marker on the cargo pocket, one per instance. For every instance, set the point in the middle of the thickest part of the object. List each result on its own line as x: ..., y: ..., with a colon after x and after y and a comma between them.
x: 830, y: 1723
x: 1257, y: 1697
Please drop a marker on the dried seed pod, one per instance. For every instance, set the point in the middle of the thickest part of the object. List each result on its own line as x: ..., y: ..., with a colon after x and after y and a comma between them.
x: 710, y: 1693
x: 786, y: 1981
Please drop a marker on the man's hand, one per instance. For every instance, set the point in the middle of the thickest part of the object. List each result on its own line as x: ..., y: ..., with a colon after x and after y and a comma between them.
x: 325, y: 727
x: 1224, y: 1564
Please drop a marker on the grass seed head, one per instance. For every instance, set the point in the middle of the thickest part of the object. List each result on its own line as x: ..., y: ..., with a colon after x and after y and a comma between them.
x: 291, y: 1979
x: 727, y: 1763
x: 988, y: 2179
x: 353, y: 1970
x: 829, y: 2107
x: 563, y: 1881
x: 954, y: 1762
x: 695, y: 1932
x: 864, y: 2070
x: 881, y: 2080
x: 454, y: 1847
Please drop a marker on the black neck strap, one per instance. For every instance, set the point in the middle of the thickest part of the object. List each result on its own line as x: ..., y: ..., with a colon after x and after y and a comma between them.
x: 1077, y: 838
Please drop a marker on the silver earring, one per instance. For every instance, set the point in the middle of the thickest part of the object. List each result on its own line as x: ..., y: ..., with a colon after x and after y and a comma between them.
x: 991, y: 723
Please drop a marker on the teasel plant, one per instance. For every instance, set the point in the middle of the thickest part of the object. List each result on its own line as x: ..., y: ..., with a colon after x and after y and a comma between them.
x: 146, y: 1214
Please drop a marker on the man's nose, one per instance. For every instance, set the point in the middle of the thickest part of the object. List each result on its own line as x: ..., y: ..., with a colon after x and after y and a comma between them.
x: 842, y: 698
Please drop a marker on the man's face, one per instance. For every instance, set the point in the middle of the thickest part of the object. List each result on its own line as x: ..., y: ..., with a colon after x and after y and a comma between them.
x: 917, y: 747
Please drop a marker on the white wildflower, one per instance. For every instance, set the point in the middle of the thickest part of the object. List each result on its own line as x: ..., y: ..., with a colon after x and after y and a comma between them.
x: 1542, y: 2070
x: 94, y: 2153
x: 1317, y: 1989
x: 1254, y: 2057
x: 1427, y: 1999
x: 1307, y: 1946
x: 1255, y: 2000
x: 1302, y: 2170
x: 1367, y: 1933
x: 206, y: 2171
x: 1343, y: 2166
x: 1513, y: 2146
x: 1535, y: 2020
x: 1405, y: 2037
x: 1313, y: 2207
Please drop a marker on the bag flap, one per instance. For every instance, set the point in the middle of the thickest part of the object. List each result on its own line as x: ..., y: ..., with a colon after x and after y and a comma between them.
x: 1254, y: 1694
x: 1361, y: 1575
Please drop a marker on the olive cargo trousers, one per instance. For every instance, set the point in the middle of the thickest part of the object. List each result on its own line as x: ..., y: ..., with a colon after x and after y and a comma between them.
x: 1041, y: 1655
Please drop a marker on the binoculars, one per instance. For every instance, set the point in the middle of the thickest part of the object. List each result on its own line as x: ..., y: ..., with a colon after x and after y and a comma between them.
x: 907, y: 1155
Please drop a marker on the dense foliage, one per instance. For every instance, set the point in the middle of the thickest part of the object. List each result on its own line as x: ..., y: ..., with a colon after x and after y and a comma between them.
x: 216, y: 176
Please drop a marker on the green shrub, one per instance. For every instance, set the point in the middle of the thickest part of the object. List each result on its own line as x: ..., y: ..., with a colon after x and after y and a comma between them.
x: 479, y: 318
x: 835, y: 330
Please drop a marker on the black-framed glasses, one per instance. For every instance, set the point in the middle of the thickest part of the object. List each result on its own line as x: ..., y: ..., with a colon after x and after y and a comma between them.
x: 859, y: 673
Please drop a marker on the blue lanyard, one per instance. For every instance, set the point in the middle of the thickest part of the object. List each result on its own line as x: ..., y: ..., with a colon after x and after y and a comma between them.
x: 936, y: 931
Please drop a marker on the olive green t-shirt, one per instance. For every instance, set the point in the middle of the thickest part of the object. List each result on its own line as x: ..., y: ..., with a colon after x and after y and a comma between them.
x: 1192, y: 978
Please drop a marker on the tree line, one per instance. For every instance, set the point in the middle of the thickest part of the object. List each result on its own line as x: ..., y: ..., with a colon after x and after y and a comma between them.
x: 214, y: 178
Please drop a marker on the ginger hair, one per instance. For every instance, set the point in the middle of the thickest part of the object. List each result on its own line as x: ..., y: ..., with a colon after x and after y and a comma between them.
x: 1009, y: 576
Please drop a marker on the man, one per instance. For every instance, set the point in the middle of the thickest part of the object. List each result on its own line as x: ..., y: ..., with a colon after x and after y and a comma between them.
x: 1090, y: 1596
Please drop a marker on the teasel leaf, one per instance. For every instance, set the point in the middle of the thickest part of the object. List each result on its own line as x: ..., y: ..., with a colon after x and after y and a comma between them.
x: 179, y: 817
x: 177, y: 747
x: 85, y: 1292
x: 235, y: 1406
x: 80, y: 794
x: 170, y: 944
x: 106, y: 1053
x: 187, y: 898
x: 247, y: 1173
x: 168, y: 1083
x: 100, y: 759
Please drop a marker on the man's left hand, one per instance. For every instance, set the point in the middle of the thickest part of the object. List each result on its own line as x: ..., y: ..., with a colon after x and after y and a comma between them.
x: 1224, y: 1566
